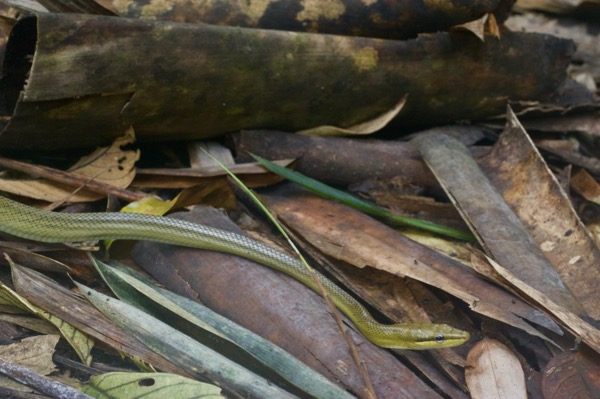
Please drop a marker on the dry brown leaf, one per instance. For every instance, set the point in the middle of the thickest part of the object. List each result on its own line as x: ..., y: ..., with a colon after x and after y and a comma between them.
x: 494, y: 372
x: 586, y: 186
x: 520, y: 174
x: 588, y: 123
x: 111, y: 165
x: 275, y: 306
x: 498, y: 229
x: 348, y: 235
x: 216, y: 193
x: 589, y: 334
x: 252, y: 174
x: 565, y: 150
x: 34, y: 353
x: 572, y: 375
x: 31, y: 323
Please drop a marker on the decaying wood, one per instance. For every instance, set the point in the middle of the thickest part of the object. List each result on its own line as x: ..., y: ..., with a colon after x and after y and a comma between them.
x: 338, y: 161
x: 376, y: 18
x: 277, y: 307
x: 90, y: 76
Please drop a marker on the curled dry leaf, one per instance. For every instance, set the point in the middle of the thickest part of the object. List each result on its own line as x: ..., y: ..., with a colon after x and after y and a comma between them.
x: 480, y: 27
x: 368, y: 127
x: 494, y: 372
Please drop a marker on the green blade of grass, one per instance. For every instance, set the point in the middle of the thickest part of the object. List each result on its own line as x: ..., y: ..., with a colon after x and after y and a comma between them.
x: 328, y: 192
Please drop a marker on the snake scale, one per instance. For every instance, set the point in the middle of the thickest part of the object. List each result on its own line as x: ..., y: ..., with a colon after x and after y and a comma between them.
x: 52, y: 227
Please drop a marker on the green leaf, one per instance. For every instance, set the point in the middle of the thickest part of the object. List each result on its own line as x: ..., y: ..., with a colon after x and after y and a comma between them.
x: 183, y: 351
x: 328, y: 192
x: 149, y: 386
x: 219, y: 333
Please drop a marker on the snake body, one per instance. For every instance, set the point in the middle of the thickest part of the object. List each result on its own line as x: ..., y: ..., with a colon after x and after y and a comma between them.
x: 45, y: 226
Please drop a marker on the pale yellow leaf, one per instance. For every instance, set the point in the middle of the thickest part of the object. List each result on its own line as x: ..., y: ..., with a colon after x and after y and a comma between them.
x: 494, y: 372
x: 148, y: 206
x: 368, y: 127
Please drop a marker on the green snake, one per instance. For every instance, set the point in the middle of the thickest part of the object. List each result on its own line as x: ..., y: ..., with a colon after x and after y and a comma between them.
x: 52, y: 227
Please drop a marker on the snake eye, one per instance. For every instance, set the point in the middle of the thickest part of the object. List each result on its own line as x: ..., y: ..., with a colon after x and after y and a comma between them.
x: 440, y: 338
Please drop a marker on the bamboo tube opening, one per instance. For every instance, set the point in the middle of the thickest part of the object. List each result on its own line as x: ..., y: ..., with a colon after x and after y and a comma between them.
x: 17, y: 63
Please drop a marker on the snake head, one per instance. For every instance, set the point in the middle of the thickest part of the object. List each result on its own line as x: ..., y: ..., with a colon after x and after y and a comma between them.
x: 424, y: 336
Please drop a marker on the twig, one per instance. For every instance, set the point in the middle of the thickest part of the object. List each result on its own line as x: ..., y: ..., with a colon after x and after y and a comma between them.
x: 59, y: 203
x: 16, y: 394
x: 71, y: 179
x: 362, y: 367
x: 40, y: 383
